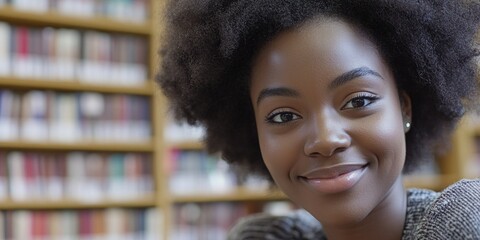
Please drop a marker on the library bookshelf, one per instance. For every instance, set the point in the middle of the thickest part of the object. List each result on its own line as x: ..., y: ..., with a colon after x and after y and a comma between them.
x: 33, y: 77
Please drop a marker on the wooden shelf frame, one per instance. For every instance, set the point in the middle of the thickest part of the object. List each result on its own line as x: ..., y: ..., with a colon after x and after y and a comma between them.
x: 186, y: 145
x: 56, y: 19
x: 77, y: 146
x: 140, y: 202
x: 11, y: 82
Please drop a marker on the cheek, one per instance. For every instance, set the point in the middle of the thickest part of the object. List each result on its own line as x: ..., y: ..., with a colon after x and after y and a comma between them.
x: 279, y: 152
x: 386, y: 139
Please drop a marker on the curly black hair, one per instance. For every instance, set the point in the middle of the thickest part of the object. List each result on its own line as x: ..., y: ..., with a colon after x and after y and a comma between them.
x: 209, y: 46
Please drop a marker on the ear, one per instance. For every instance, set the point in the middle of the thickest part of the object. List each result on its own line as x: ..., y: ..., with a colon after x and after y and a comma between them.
x: 406, y: 107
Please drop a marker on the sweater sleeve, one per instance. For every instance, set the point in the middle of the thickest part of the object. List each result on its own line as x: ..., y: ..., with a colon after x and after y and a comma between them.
x: 455, y: 214
x: 296, y: 226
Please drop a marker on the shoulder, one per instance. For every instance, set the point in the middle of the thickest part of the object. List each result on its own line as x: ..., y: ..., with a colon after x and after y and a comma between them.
x: 298, y: 225
x: 454, y: 214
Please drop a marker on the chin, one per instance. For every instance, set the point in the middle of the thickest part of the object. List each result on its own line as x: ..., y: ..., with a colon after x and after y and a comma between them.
x: 346, y: 218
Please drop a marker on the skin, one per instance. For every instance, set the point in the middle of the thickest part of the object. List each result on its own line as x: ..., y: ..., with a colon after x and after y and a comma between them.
x: 324, y: 98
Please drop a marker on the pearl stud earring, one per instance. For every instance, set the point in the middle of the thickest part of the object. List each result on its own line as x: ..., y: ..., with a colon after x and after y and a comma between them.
x: 408, y: 125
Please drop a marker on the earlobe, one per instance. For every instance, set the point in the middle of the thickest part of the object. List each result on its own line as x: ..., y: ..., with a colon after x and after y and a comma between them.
x: 406, y: 107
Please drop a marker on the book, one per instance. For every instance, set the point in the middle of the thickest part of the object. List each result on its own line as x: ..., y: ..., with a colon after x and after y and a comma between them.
x: 3, y: 177
x: 27, y: 5
x: 34, y: 125
x: 17, y: 178
x: 2, y: 226
x: 76, y: 176
x: 9, y: 115
x: 5, y: 57
x: 66, y: 54
x: 94, y: 185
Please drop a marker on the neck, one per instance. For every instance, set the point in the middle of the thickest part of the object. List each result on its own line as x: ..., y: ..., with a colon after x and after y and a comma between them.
x: 386, y: 221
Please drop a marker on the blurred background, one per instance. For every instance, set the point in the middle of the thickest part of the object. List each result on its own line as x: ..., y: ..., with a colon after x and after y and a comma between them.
x: 89, y: 151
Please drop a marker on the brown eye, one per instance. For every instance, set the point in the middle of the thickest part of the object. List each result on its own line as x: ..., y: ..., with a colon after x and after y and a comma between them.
x: 285, y: 117
x: 360, y: 101
x: 282, y: 117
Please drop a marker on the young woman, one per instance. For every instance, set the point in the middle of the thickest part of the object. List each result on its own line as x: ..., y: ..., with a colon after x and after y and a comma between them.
x: 331, y: 100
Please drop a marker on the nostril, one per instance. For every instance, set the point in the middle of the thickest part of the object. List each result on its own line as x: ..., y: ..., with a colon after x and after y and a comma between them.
x: 340, y: 149
x: 314, y: 154
x: 325, y: 148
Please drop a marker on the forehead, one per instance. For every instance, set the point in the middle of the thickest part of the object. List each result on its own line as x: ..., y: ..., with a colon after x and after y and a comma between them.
x: 324, y: 47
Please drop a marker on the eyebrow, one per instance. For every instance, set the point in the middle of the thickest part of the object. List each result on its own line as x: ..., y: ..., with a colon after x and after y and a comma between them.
x: 279, y: 91
x: 338, y: 81
x: 352, y: 74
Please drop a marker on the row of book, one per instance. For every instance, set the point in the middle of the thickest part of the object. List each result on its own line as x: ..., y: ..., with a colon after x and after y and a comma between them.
x: 89, y: 177
x: 108, y: 224
x: 72, y: 117
x: 199, y: 173
x: 179, y: 131
x: 72, y: 55
x: 121, y: 10
x: 207, y: 221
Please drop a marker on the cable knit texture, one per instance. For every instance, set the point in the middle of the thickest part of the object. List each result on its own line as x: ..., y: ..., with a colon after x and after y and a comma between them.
x: 451, y: 214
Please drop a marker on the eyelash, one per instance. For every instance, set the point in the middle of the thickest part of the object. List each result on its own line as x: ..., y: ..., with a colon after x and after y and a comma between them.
x: 279, y: 112
x: 361, y: 96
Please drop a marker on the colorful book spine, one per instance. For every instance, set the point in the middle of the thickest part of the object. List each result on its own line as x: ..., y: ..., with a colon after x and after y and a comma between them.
x: 3, y: 177
x: 120, y: 10
x: 27, y: 5
x: 72, y: 55
x: 73, y: 117
x: 107, y: 224
x: 88, y: 177
x: 196, y: 172
x: 34, y: 116
x: 5, y: 53
x: 10, y: 105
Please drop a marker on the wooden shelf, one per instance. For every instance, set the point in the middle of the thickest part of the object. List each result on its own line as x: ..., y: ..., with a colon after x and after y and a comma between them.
x: 31, y: 83
x: 186, y: 145
x: 90, y: 146
x: 146, y: 201
x: 240, y: 194
x: 55, y: 19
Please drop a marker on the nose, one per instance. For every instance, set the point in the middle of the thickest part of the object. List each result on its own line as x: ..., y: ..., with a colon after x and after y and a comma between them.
x: 326, y: 137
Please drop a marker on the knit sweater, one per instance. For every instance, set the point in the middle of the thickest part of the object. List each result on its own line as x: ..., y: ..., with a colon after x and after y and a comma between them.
x: 451, y: 214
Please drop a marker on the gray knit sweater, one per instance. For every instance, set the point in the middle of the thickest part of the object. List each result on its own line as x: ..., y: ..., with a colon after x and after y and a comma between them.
x: 451, y: 214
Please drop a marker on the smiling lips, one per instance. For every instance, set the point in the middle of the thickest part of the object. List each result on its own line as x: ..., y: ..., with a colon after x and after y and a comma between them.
x: 334, y: 179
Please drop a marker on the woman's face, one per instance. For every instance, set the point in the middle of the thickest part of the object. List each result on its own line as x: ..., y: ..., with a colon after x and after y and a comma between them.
x: 329, y: 120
